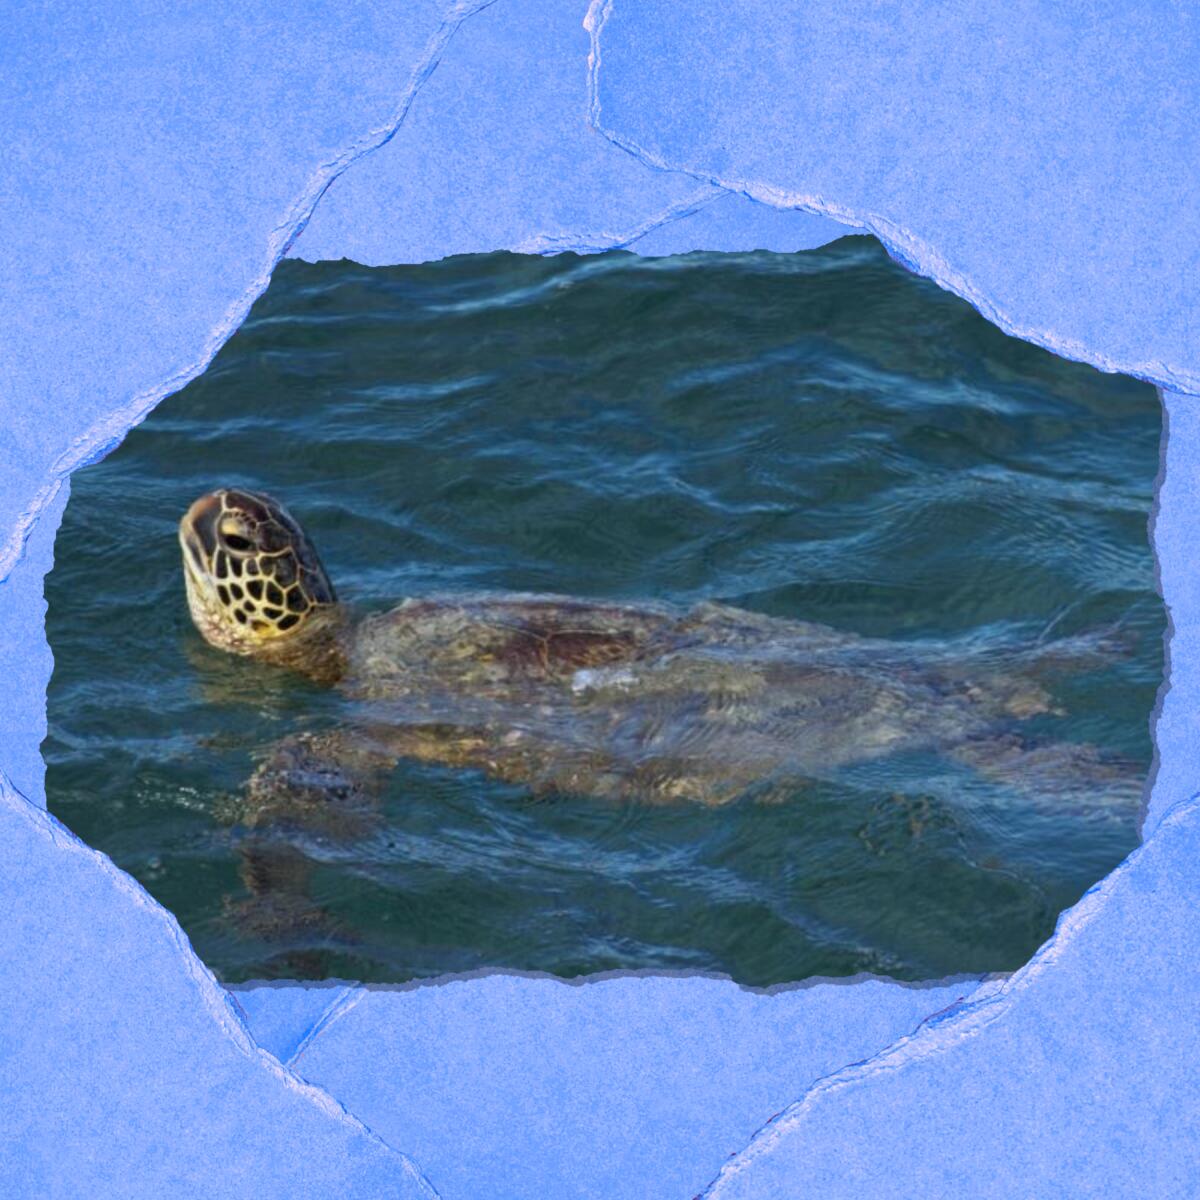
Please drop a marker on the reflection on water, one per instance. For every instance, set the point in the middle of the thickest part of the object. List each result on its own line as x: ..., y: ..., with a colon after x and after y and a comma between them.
x: 816, y: 437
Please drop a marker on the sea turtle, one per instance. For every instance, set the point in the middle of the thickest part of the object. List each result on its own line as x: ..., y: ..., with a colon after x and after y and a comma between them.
x: 612, y: 700
x: 606, y: 699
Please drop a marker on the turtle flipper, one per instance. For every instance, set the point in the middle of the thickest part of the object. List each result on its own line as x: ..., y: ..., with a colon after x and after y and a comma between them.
x: 324, y: 783
x: 1028, y: 670
x: 321, y: 786
x: 1068, y: 771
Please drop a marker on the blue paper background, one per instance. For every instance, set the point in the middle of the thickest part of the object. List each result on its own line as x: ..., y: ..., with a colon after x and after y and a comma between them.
x: 1039, y: 159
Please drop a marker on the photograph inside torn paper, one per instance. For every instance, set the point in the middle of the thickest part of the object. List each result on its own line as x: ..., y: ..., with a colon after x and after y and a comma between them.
x: 771, y: 615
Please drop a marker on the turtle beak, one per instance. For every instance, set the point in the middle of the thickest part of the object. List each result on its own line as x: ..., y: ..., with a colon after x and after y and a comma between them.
x: 198, y: 533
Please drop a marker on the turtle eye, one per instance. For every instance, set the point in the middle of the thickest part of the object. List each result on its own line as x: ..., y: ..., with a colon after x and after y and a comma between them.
x: 232, y: 532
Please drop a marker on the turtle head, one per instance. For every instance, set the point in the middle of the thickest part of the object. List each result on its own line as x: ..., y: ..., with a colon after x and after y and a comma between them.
x: 254, y: 581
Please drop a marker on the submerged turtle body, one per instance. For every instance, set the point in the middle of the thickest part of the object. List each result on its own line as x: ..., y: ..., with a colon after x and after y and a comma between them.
x: 647, y: 701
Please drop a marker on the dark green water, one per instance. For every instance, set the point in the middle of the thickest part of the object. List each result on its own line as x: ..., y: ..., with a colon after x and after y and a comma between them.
x: 819, y: 436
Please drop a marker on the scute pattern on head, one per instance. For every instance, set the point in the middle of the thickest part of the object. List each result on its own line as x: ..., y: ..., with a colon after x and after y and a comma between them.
x: 252, y: 574
x: 291, y: 580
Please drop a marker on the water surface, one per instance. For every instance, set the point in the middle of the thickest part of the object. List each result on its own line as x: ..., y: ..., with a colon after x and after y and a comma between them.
x: 819, y: 436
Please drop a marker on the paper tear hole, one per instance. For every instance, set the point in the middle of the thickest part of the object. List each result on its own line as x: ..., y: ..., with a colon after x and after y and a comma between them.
x: 669, y: 470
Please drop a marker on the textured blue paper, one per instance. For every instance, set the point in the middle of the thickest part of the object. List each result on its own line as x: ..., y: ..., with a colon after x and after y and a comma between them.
x: 124, y: 1070
x: 496, y: 154
x: 622, y: 1087
x: 1040, y: 159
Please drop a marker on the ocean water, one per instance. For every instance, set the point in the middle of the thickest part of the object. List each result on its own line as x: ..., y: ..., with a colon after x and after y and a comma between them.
x: 819, y: 436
